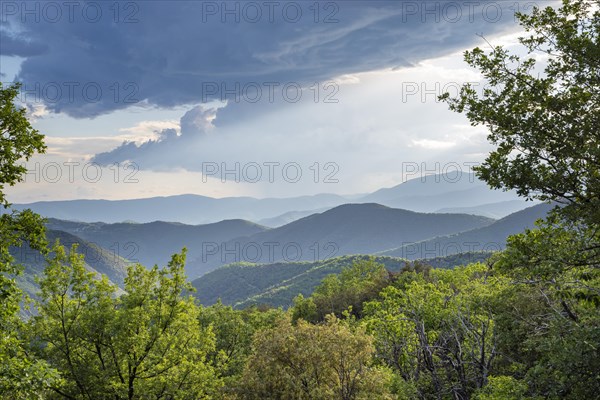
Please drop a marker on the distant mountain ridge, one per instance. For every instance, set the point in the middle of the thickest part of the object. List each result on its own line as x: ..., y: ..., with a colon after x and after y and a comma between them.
x: 154, y: 242
x: 189, y: 209
x: 488, y: 238
x: 421, y: 194
x: 346, y: 229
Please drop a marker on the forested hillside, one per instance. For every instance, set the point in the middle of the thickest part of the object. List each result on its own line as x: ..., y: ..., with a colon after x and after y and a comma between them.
x: 154, y: 242
x: 244, y: 284
x: 344, y: 230
x: 98, y: 260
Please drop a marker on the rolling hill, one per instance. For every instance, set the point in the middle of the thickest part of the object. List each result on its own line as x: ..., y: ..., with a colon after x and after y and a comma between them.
x: 244, y: 284
x: 487, y: 238
x: 346, y: 229
x: 155, y: 242
x: 97, y: 259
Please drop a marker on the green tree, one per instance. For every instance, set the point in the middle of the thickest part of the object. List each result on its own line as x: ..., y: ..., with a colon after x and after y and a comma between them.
x: 503, y: 388
x: 306, y: 361
x: 349, y: 289
x: 145, y: 343
x: 20, y: 375
x: 234, y: 330
x: 438, y: 334
x: 304, y: 308
x: 543, y: 117
x: 548, y: 333
x: 543, y: 120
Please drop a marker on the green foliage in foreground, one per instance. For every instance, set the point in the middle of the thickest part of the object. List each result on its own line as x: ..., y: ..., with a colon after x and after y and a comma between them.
x: 470, y: 332
x: 21, y: 376
x: 332, y: 360
x: 146, y: 343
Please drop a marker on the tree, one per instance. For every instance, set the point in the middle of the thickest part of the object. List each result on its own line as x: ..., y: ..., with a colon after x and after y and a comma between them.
x: 503, y: 388
x: 337, y: 292
x: 304, y: 308
x: 234, y: 330
x: 306, y: 361
x: 544, y: 120
x: 20, y: 375
x: 438, y: 334
x: 145, y: 343
x: 544, y: 123
x: 542, y: 346
x: 18, y: 140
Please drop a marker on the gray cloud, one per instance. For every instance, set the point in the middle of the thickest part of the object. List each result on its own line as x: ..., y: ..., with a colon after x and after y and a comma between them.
x: 197, y: 121
x: 160, y: 153
x: 16, y: 46
x: 173, y: 53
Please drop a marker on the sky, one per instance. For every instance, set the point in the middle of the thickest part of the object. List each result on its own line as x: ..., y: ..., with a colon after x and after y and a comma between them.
x: 264, y: 99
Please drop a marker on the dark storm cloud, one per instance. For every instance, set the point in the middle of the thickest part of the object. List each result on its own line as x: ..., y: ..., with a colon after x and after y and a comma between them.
x: 96, y: 57
x: 14, y: 46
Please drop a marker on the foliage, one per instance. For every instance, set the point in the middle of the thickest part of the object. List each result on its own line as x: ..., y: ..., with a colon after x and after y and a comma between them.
x: 349, y: 289
x: 20, y: 375
x: 549, y: 334
x: 544, y: 119
x: 306, y: 361
x: 18, y: 140
x: 438, y: 333
x: 145, y: 343
x: 234, y: 330
x: 503, y: 388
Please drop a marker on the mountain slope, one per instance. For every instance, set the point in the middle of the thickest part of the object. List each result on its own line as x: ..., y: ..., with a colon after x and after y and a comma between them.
x: 433, y: 192
x: 429, y: 185
x: 346, y: 229
x: 155, y: 242
x: 244, y: 284
x: 488, y: 238
x: 491, y: 210
x: 286, y: 218
x: 97, y: 259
